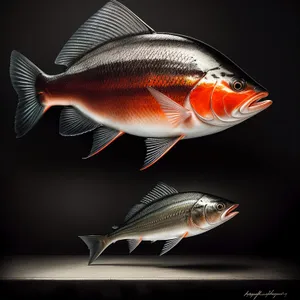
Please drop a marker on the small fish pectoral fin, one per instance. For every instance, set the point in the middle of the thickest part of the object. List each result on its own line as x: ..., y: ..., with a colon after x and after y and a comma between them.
x: 72, y: 122
x: 132, y: 244
x: 102, y: 137
x: 157, y: 148
x: 112, y: 21
x: 171, y: 244
x: 175, y: 113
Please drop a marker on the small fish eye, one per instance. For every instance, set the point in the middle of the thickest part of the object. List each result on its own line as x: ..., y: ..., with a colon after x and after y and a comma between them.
x: 238, y: 85
x: 220, y: 206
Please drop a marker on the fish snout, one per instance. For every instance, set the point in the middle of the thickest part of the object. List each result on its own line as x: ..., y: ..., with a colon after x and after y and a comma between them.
x: 230, y: 212
x: 256, y: 104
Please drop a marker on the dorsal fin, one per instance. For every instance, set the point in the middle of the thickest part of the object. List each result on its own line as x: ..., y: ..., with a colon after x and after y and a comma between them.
x: 113, y: 20
x: 159, y: 191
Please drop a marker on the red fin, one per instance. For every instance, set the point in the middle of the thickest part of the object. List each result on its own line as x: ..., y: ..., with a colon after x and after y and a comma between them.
x: 103, y: 136
x: 134, y: 243
x: 172, y: 243
x: 46, y: 108
x: 157, y: 148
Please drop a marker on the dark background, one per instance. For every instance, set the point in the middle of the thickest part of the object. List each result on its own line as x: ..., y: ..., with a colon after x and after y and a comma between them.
x: 49, y: 195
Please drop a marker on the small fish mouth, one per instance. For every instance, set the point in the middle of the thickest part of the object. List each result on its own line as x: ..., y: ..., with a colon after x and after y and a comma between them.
x: 230, y: 213
x: 257, y: 103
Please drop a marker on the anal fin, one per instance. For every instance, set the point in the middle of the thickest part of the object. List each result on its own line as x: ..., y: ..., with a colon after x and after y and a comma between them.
x: 132, y: 244
x: 102, y: 137
x: 170, y: 244
x: 157, y: 148
x: 72, y: 122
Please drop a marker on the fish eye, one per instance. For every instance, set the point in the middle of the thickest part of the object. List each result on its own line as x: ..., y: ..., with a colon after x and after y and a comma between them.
x: 238, y: 85
x: 220, y: 206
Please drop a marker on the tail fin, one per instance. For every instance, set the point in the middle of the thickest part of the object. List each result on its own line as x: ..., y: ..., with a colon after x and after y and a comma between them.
x: 97, y: 244
x: 23, y: 74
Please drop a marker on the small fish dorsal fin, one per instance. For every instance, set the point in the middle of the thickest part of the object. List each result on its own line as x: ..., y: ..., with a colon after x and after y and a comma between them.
x: 112, y: 21
x: 159, y: 191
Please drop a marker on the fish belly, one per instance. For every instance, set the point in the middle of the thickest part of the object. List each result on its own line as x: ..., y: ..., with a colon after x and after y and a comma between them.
x: 162, y: 235
x: 157, y: 235
x: 157, y: 228
x: 138, y: 115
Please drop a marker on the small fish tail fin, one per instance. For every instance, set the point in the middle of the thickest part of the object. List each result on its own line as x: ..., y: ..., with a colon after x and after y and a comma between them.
x: 23, y: 75
x: 96, y: 244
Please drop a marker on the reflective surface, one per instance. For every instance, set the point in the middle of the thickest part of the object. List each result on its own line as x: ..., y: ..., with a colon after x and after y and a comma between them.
x: 146, y: 268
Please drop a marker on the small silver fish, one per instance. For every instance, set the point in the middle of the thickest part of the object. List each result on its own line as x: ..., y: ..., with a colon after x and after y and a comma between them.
x: 165, y: 214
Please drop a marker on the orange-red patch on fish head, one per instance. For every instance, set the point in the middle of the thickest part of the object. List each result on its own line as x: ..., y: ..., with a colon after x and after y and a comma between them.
x: 234, y: 99
x: 200, y: 98
x: 221, y: 99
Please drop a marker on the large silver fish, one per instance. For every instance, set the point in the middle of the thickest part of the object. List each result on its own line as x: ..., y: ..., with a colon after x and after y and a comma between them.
x: 123, y: 77
x: 165, y: 214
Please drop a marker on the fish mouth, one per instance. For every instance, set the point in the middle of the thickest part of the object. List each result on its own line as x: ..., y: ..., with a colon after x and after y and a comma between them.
x: 230, y: 213
x: 256, y: 103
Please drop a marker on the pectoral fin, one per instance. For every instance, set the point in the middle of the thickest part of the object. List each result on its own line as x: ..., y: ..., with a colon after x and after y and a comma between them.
x: 157, y: 148
x: 171, y: 244
x: 175, y: 113
x: 102, y: 137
